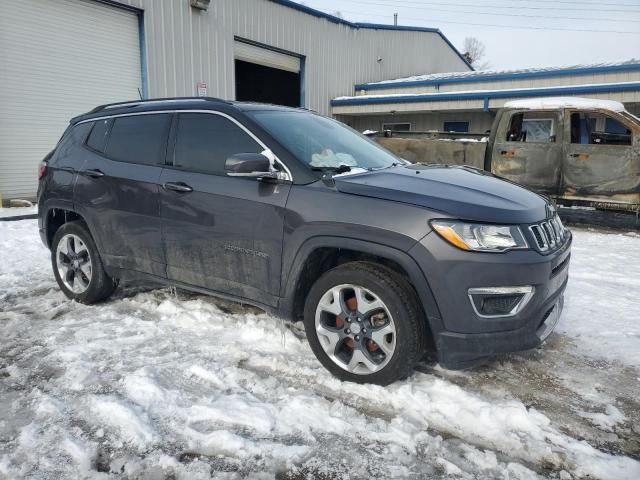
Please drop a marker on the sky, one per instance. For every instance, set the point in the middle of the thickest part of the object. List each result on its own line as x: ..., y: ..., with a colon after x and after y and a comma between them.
x: 516, y: 33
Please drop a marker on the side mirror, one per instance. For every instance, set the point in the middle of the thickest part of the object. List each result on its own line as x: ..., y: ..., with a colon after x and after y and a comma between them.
x: 251, y: 165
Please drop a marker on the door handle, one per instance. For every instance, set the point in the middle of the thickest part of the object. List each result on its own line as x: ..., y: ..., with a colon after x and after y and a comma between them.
x: 93, y: 173
x: 580, y: 156
x: 177, y: 187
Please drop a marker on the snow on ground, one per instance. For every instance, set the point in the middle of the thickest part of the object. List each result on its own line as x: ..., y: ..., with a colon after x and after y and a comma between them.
x: 603, y: 305
x: 165, y: 384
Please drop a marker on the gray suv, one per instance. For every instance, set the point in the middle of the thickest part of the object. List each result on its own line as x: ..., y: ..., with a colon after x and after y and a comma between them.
x: 301, y: 216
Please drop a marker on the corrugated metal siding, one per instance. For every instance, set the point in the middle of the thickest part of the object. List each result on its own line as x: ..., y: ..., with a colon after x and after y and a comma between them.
x: 630, y: 99
x: 57, y: 59
x: 385, y: 108
x: 479, y: 122
x: 613, y: 77
x: 185, y: 46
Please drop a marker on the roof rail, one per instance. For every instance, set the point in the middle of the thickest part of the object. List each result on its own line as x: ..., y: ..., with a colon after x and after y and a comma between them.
x: 151, y: 101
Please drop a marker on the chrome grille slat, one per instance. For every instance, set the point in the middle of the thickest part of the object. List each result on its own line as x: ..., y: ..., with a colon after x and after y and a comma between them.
x: 548, y: 234
x: 549, y: 231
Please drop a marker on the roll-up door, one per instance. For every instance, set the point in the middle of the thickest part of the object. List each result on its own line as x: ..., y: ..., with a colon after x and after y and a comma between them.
x: 58, y: 59
x: 266, y: 57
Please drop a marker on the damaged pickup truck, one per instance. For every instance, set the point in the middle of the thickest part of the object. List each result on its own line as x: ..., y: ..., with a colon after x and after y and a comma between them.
x: 581, y: 152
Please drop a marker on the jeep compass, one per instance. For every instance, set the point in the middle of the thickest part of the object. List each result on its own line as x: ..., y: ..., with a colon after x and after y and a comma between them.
x: 299, y: 215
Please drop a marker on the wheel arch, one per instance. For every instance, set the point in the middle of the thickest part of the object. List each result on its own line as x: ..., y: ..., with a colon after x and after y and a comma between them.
x: 319, y: 254
x: 55, y: 217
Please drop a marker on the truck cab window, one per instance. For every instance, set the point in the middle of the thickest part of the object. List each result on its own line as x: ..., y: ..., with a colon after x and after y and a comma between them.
x: 532, y: 127
x: 593, y: 128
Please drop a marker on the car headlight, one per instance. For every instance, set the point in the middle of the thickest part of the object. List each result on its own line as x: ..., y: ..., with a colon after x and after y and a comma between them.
x: 480, y: 237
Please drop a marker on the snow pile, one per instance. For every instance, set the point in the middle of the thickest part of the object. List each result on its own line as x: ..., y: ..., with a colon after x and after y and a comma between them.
x: 565, y: 102
x: 158, y: 385
x: 606, y: 420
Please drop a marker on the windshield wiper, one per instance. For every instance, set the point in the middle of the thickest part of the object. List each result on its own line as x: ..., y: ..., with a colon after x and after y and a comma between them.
x: 339, y: 169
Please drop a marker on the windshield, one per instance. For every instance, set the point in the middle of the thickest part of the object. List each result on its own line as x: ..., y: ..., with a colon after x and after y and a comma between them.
x: 323, y: 143
x: 630, y: 115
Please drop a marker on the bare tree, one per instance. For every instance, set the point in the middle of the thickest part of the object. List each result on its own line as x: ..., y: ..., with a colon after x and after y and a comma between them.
x: 474, y: 52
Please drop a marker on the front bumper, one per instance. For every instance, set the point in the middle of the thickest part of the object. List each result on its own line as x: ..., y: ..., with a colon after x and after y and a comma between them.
x: 462, y: 338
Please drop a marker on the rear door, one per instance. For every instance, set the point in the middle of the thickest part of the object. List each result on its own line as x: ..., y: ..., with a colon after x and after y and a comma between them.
x: 117, y: 189
x: 599, y: 158
x: 221, y: 233
x: 528, y: 149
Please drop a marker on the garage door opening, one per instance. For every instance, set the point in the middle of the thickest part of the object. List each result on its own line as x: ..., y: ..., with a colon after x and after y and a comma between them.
x: 267, y: 74
x: 257, y: 83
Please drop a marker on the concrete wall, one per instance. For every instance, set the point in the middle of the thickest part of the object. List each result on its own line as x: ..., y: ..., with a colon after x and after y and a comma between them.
x: 185, y: 45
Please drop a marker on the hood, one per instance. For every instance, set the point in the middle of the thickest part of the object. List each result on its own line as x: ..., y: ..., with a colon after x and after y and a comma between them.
x: 457, y: 191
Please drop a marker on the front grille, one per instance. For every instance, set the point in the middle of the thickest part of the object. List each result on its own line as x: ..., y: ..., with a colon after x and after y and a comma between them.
x: 549, y: 234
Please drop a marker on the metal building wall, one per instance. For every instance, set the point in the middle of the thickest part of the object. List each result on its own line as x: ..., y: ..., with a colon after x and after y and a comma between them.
x: 185, y: 46
x: 479, y: 122
x: 479, y: 84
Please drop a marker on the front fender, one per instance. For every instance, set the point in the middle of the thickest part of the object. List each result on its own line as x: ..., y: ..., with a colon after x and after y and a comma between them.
x: 407, y: 263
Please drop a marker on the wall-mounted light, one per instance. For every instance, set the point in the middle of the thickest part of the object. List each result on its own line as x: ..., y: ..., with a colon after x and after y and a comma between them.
x: 200, y: 4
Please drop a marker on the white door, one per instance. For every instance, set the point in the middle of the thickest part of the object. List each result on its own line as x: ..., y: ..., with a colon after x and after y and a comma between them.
x: 58, y: 58
x: 266, y: 57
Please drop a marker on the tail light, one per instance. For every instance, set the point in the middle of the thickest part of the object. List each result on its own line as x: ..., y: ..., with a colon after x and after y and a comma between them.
x: 42, y: 169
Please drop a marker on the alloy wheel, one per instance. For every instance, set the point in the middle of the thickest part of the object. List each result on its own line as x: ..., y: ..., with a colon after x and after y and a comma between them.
x: 73, y: 261
x: 355, y: 329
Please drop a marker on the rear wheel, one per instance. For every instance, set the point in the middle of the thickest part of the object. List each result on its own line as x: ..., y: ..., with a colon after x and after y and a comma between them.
x: 77, y: 265
x: 364, y: 323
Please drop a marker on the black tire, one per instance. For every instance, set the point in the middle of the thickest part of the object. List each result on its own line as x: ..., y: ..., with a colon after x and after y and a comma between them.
x: 100, y: 286
x: 402, y: 303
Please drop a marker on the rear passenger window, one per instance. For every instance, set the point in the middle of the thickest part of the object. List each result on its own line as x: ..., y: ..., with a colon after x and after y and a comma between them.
x: 139, y: 138
x: 594, y: 128
x: 204, y: 141
x: 98, y: 136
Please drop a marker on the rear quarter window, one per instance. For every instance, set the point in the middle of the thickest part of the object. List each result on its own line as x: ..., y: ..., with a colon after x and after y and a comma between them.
x: 72, y: 138
x: 139, y: 138
x: 98, y: 137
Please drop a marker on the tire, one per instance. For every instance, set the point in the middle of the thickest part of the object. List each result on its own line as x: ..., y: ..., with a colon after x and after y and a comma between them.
x: 391, y: 315
x: 77, y: 265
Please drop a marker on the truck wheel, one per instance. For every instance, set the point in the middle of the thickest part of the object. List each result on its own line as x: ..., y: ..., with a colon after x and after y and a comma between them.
x: 364, y: 323
x: 77, y: 265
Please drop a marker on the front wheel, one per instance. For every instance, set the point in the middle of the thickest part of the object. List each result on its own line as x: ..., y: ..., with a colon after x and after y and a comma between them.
x: 77, y: 265
x: 364, y: 323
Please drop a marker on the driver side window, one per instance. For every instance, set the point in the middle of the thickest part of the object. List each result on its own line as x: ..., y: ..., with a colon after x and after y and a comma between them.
x: 532, y: 127
x: 204, y: 142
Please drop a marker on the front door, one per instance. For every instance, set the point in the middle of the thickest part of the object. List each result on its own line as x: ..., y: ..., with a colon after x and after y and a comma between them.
x: 599, y: 159
x: 528, y: 150
x: 221, y: 233
x: 117, y: 190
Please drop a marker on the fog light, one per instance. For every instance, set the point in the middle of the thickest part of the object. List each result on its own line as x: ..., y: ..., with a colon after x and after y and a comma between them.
x: 496, y: 302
